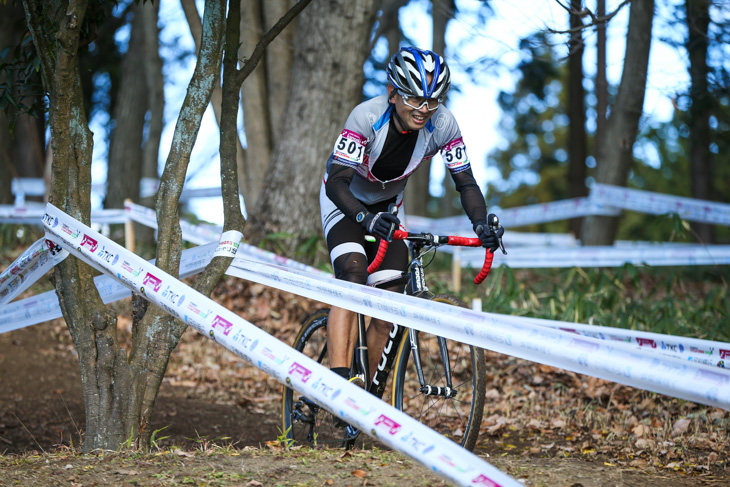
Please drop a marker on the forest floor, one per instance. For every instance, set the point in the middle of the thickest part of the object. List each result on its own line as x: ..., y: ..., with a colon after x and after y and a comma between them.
x: 221, y: 419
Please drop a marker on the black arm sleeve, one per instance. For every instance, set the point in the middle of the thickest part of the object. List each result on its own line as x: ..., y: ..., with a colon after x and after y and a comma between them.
x: 337, y: 189
x: 472, y: 199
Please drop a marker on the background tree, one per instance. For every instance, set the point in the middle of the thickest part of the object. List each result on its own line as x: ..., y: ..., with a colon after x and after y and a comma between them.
x: 120, y: 389
x: 623, y: 123
x: 700, y: 110
x: 22, y: 129
x: 326, y: 84
x: 577, y: 150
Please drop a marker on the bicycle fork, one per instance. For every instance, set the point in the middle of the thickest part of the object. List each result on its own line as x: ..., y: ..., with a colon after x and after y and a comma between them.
x: 448, y: 391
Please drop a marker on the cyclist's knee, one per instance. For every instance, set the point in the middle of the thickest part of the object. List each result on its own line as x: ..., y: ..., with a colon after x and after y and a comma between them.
x: 351, y: 267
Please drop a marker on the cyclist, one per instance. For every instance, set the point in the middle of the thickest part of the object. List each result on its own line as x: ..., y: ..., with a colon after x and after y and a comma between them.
x: 383, y: 141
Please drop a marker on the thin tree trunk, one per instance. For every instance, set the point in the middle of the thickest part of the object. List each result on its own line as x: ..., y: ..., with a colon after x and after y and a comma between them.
x: 623, y: 124
x: 577, y: 151
x: 700, y: 157
x: 601, y: 82
x: 193, y: 18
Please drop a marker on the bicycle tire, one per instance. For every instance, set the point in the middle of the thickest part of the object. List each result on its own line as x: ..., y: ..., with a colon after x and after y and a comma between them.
x: 303, y: 422
x: 457, y: 418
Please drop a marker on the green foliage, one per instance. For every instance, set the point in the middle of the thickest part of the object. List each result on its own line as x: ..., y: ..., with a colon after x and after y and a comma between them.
x: 21, y: 88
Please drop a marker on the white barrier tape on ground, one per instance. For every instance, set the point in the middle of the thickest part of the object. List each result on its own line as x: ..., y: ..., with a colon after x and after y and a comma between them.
x: 355, y: 405
x: 600, y: 256
x: 706, y: 352
x: 616, y: 362
x: 28, y: 268
x: 44, y: 307
x: 228, y: 244
x: 660, y: 204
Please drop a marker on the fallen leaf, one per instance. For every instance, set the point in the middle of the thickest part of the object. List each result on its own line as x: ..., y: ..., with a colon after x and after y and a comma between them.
x: 680, y: 426
x: 255, y: 483
x: 361, y: 474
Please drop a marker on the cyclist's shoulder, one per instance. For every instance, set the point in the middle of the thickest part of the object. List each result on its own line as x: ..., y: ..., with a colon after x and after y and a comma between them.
x: 445, y: 126
x: 367, y: 114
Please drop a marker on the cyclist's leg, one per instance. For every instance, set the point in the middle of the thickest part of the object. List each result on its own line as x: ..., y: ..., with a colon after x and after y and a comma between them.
x: 345, y: 241
x: 394, y: 263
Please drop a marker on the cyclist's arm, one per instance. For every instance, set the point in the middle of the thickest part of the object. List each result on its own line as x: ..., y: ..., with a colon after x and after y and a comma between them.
x: 337, y: 189
x: 472, y: 199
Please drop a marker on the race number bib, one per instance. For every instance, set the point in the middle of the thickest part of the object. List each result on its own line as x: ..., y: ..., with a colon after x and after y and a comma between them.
x: 349, y: 148
x: 454, y: 155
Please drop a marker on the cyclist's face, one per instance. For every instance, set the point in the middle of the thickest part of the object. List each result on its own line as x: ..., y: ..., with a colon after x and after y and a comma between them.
x: 413, y: 119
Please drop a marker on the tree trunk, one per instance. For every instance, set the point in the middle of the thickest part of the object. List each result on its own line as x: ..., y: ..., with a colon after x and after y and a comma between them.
x: 326, y: 84
x: 193, y: 18
x: 256, y: 118
x: 154, y: 83
x: 601, y: 83
x: 700, y: 157
x: 623, y: 124
x: 279, y: 59
x: 125, y: 146
x: 577, y: 151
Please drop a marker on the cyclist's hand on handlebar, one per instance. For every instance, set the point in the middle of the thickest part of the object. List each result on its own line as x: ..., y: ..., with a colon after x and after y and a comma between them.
x: 381, y: 224
x: 489, y: 235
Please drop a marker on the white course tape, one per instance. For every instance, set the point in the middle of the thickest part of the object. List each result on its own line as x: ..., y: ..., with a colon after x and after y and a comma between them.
x: 228, y: 244
x: 44, y: 307
x: 603, y: 256
x: 198, y: 234
x: 616, y: 362
x: 693, y: 349
x: 28, y: 268
x: 660, y: 204
x: 514, y: 217
x: 356, y: 406
x: 31, y: 214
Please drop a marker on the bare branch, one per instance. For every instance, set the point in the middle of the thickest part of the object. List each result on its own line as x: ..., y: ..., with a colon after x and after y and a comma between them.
x: 595, y: 19
x: 250, y: 64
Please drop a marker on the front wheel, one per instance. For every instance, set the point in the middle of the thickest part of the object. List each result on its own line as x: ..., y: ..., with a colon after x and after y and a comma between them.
x: 303, y: 421
x: 456, y: 411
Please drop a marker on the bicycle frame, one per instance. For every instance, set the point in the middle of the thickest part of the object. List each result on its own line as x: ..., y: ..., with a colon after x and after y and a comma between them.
x: 415, y: 279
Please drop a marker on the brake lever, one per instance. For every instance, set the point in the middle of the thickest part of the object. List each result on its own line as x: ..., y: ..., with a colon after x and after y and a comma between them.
x: 494, y: 226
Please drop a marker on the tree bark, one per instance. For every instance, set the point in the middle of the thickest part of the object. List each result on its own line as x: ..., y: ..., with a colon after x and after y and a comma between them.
x: 700, y: 157
x: 326, y: 84
x: 154, y: 83
x: 256, y: 119
x: 623, y: 123
x: 125, y: 146
x: 577, y: 151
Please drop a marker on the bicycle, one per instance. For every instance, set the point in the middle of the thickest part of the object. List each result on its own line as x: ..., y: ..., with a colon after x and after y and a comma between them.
x: 439, y: 382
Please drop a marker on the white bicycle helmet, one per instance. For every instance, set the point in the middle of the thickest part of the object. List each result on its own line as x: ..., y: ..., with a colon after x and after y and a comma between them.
x: 409, y: 68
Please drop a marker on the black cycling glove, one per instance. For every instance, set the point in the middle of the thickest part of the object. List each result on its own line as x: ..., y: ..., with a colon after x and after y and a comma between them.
x: 380, y: 224
x: 490, y: 240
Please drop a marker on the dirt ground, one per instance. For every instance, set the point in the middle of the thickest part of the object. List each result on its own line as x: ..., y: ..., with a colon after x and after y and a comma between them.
x: 221, y: 418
